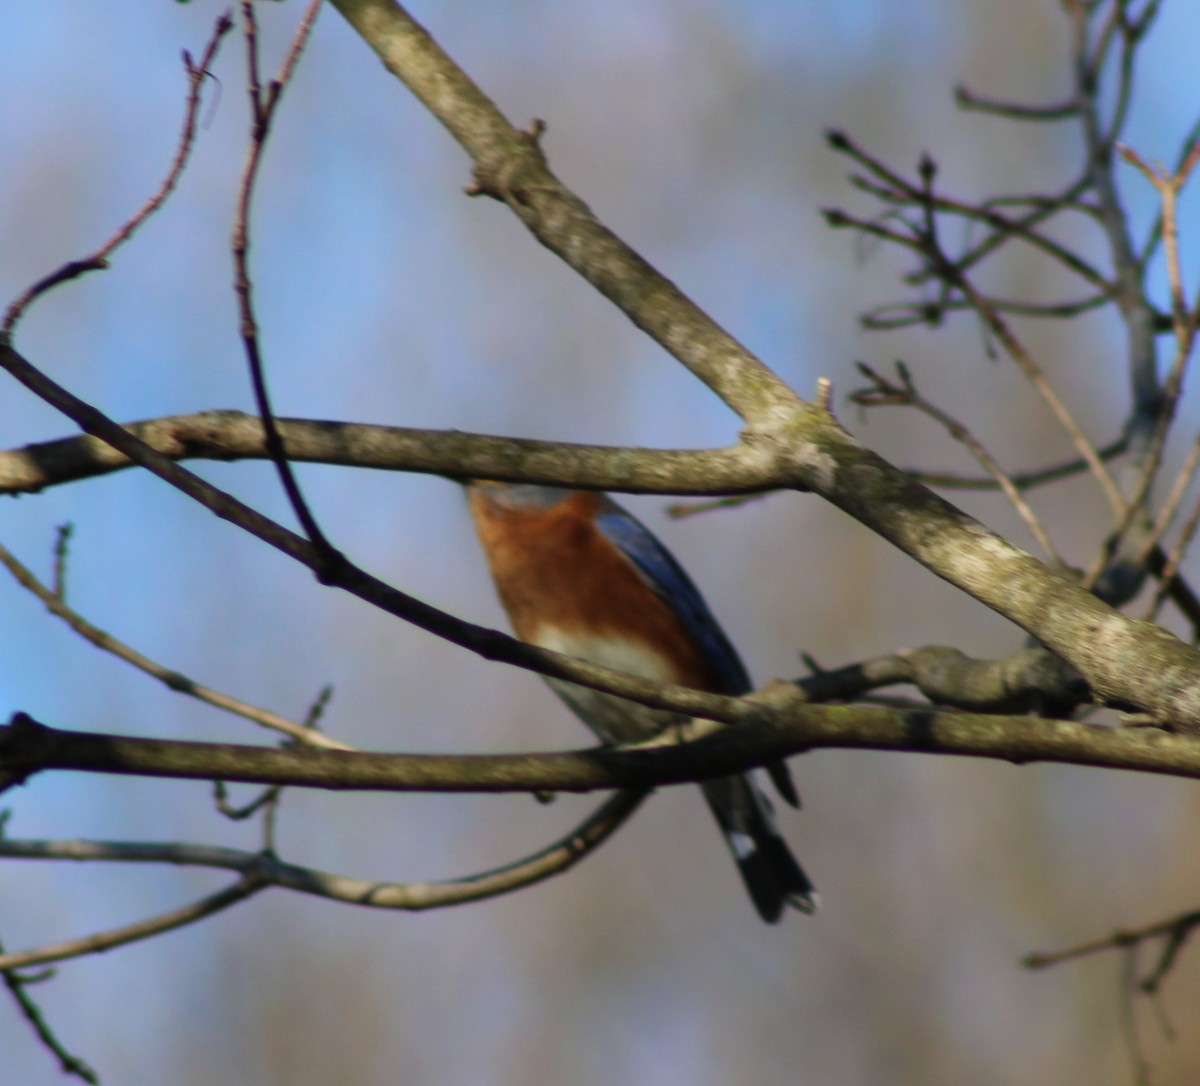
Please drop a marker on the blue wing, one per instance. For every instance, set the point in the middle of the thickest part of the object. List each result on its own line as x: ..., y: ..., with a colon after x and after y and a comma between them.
x: 669, y: 581
x: 667, y: 578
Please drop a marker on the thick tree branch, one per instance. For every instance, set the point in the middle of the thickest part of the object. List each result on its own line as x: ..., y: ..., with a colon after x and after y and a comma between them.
x: 783, y: 725
x: 509, y: 165
x: 235, y: 435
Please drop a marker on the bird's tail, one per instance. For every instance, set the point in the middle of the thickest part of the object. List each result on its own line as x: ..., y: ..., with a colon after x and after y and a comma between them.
x: 769, y: 870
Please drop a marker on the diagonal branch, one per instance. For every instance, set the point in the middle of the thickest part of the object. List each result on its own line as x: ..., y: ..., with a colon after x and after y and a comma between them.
x: 509, y: 165
x: 245, y: 887
x: 55, y: 604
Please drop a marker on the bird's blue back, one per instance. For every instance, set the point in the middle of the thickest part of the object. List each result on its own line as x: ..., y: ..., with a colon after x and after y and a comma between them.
x: 663, y: 574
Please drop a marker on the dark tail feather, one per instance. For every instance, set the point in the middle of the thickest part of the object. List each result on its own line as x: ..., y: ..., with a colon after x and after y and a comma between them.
x: 770, y: 871
x: 775, y: 879
x: 781, y: 777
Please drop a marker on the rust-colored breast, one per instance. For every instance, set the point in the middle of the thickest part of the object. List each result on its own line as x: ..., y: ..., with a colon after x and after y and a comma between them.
x: 563, y: 582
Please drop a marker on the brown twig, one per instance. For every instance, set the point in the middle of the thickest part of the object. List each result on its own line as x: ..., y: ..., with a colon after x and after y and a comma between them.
x: 893, y: 315
x: 996, y: 325
x: 1174, y: 559
x: 1170, y: 506
x: 169, y: 677
x: 900, y: 192
x: 1174, y: 932
x: 905, y: 393
x: 262, y: 869
x: 196, y: 73
x: 245, y: 887
x: 1023, y: 480
x: 1168, y: 186
x: 1091, y: 52
x: 236, y: 435
x: 262, y: 113
x: 62, y: 538
x: 965, y: 98
x: 785, y: 724
x: 18, y: 986
x: 1031, y: 680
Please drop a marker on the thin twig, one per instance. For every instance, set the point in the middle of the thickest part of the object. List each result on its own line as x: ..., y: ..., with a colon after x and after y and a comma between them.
x: 906, y: 393
x: 261, y: 869
x: 1130, y: 294
x: 18, y: 986
x: 196, y: 73
x: 965, y: 98
x: 247, y: 810
x: 169, y: 677
x: 1024, y: 480
x: 1168, y: 187
x: 262, y: 113
x: 1183, y: 923
x: 1174, y: 559
x: 899, y: 191
x: 892, y: 315
x: 62, y: 538
x: 1170, y: 507
x: 99, y: 942
x: 356, y: 581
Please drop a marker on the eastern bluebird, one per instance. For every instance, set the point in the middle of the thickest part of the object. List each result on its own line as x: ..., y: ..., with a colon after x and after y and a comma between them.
x: 579, y: 575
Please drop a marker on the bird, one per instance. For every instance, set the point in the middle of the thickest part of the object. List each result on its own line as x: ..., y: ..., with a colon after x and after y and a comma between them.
x: 578, y: 574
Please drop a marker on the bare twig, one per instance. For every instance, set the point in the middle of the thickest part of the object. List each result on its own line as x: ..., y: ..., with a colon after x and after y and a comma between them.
x: 1089, y: 59
x: 898, y: 191
x: 1033, y: 373
x: 196, y: 73
x: 1168, y: 186
x: 262, y: 113
x: 1031, y: 680
x: 1174, y: 933
x: 1174, y: 559
x: 99, y: 942
x: 62, y: 538
x: 169, y: 677
x: 965, y: 98
x: 246, y: 810
x: 1023, y: 480
x: 1170, y: 507
x: 18, y: 987
x: 906, y: 393
x: 909, y: 314
x: 262, y: 869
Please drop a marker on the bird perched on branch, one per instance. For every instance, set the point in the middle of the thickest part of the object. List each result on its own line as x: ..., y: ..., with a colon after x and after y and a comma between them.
x: 579, y: 575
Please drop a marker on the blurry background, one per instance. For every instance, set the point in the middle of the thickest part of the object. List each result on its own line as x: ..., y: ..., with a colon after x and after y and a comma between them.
x: 695, y: 131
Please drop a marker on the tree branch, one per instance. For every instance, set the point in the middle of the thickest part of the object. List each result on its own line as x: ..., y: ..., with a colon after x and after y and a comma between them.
x: 509, y: 165
x: 783, y: 725
x: 265, y: 869
x: 235, y: 435
x: 169, y: 677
